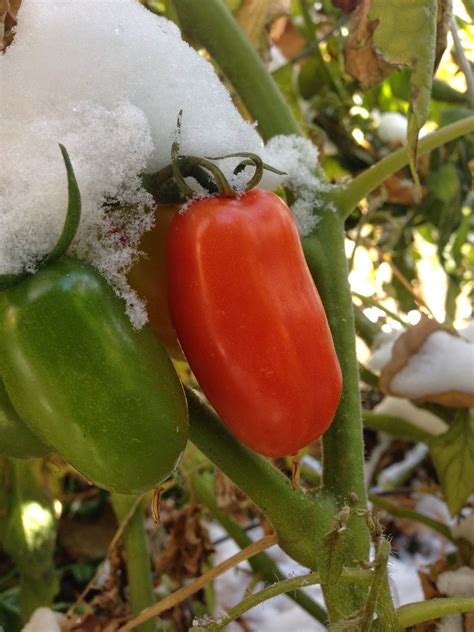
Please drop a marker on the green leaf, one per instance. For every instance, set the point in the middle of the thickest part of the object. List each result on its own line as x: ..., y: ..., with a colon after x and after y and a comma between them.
x: 405, y: 36
x: 453, y: 458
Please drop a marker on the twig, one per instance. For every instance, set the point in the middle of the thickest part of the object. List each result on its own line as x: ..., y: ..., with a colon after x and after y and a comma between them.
x: 463, y: 63
x: 184, y: 593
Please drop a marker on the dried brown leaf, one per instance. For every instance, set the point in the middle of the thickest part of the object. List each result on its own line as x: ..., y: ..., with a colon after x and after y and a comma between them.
x: 188, y: 545
x: 256, y: 18
x: 8, y: 14
x: 229, y: 497
x: 406, y: 346
x: 443, y: 25
x: 361, y: 60
x: 402, y: 191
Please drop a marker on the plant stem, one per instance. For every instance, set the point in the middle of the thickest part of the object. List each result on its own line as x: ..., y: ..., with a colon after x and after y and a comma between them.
x: 464, y: 63
x: 414, y: 613
x: 404, y: 512
x: 395, y: 426
x: 137, y: 558
x: 280, y: 588
x: 262, y: 565
x: 343, y: 459
x: 366, y: 182
x: 299, y: 519
x: 213, y: 26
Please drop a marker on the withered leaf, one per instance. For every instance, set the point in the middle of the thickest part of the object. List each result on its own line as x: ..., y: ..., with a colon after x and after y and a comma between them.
x: 188, y: 545
x: 360, y: 59
x: 8, y: 14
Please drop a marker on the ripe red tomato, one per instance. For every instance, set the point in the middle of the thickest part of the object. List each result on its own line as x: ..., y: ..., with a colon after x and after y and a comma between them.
x: 148, y: 278
x: 250, y: 320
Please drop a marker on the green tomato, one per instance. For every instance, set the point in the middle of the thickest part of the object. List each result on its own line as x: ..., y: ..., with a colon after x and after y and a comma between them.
x: 104, y: 396
x: 16, y: 439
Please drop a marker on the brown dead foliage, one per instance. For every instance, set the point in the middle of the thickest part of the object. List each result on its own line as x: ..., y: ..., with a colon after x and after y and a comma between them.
x: 361, y: 60
x: 8, y: 14
x: 188, y: 545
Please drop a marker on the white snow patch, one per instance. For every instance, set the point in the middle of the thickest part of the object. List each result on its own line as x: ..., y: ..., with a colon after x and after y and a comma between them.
x: 453, y: 623
x: 43, y: 620
x: 465, y: 528
x: 467, y: 332
x: 443, y: 363
x: 393, y: 128
x: 458, y: 583
x: 406, y: 410
x: 298, y: 157
x: 382, y: 350
x: 107, y: 79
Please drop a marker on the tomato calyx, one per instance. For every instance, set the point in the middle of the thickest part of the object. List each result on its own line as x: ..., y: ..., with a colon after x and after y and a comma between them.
x: 169, y: 184
x: 71, y: 224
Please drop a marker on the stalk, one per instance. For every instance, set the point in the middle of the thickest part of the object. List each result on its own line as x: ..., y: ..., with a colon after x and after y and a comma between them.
x: 299, y: 519
x: 414, y: 613
x: 213, y: 26
x: 137, y: 558
x: 367, y: 181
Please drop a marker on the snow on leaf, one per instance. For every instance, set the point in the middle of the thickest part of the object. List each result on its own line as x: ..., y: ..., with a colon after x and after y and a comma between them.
x: 453, y: 458
x: 430, y: 363
x: 405, y: 36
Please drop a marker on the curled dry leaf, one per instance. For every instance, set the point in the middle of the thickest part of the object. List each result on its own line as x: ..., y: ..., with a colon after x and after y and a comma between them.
x: 8, y: 12
x: 256, y: 18
x: 188, y: 545
x: 407, y: 346
x: 360, y: 57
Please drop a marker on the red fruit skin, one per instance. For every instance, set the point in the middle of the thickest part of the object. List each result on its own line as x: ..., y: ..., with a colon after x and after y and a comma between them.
x: 250, y: 320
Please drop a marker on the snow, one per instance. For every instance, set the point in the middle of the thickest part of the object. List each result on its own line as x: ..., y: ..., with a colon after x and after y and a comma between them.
x: 43, y: 620
x: 404, y: 409
x: 444, y: 363
x: 393, y: 128
x: 298, y: 157
x: 382, y: 351
x: 458, y: 583
x: 465, y: 528
x: 107, y: 79
x: 231, y: 586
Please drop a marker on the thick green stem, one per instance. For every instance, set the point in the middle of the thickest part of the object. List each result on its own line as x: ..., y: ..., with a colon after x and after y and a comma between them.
x: 404, y: 512
x: 343, y: 459
x: 261, y: 564
x: 140, y: 582
x: 213, y: 26
x: 422, y: 611
x: 299, y: 519
x: 366, y: 182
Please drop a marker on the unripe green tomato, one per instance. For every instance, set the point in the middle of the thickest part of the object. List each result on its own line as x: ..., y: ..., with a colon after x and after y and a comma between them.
x: 104, y: 396
x: 16, y: 439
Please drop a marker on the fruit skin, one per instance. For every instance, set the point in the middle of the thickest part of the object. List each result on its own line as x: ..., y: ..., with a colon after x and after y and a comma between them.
x: 149, y: 279
x: 16, y: 439
x: 250, y: 320
x: 103, y: 395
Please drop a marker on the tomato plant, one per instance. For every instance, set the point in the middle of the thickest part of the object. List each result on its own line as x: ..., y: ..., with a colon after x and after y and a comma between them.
x: 248, y: 316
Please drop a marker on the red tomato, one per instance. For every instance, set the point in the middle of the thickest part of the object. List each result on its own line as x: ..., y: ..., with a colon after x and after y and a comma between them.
x: 148, y: 278
x: 250, y: 320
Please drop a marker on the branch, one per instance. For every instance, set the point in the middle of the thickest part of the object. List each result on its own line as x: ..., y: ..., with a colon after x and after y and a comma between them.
x: 366, y: 182
x: 414, y: 613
